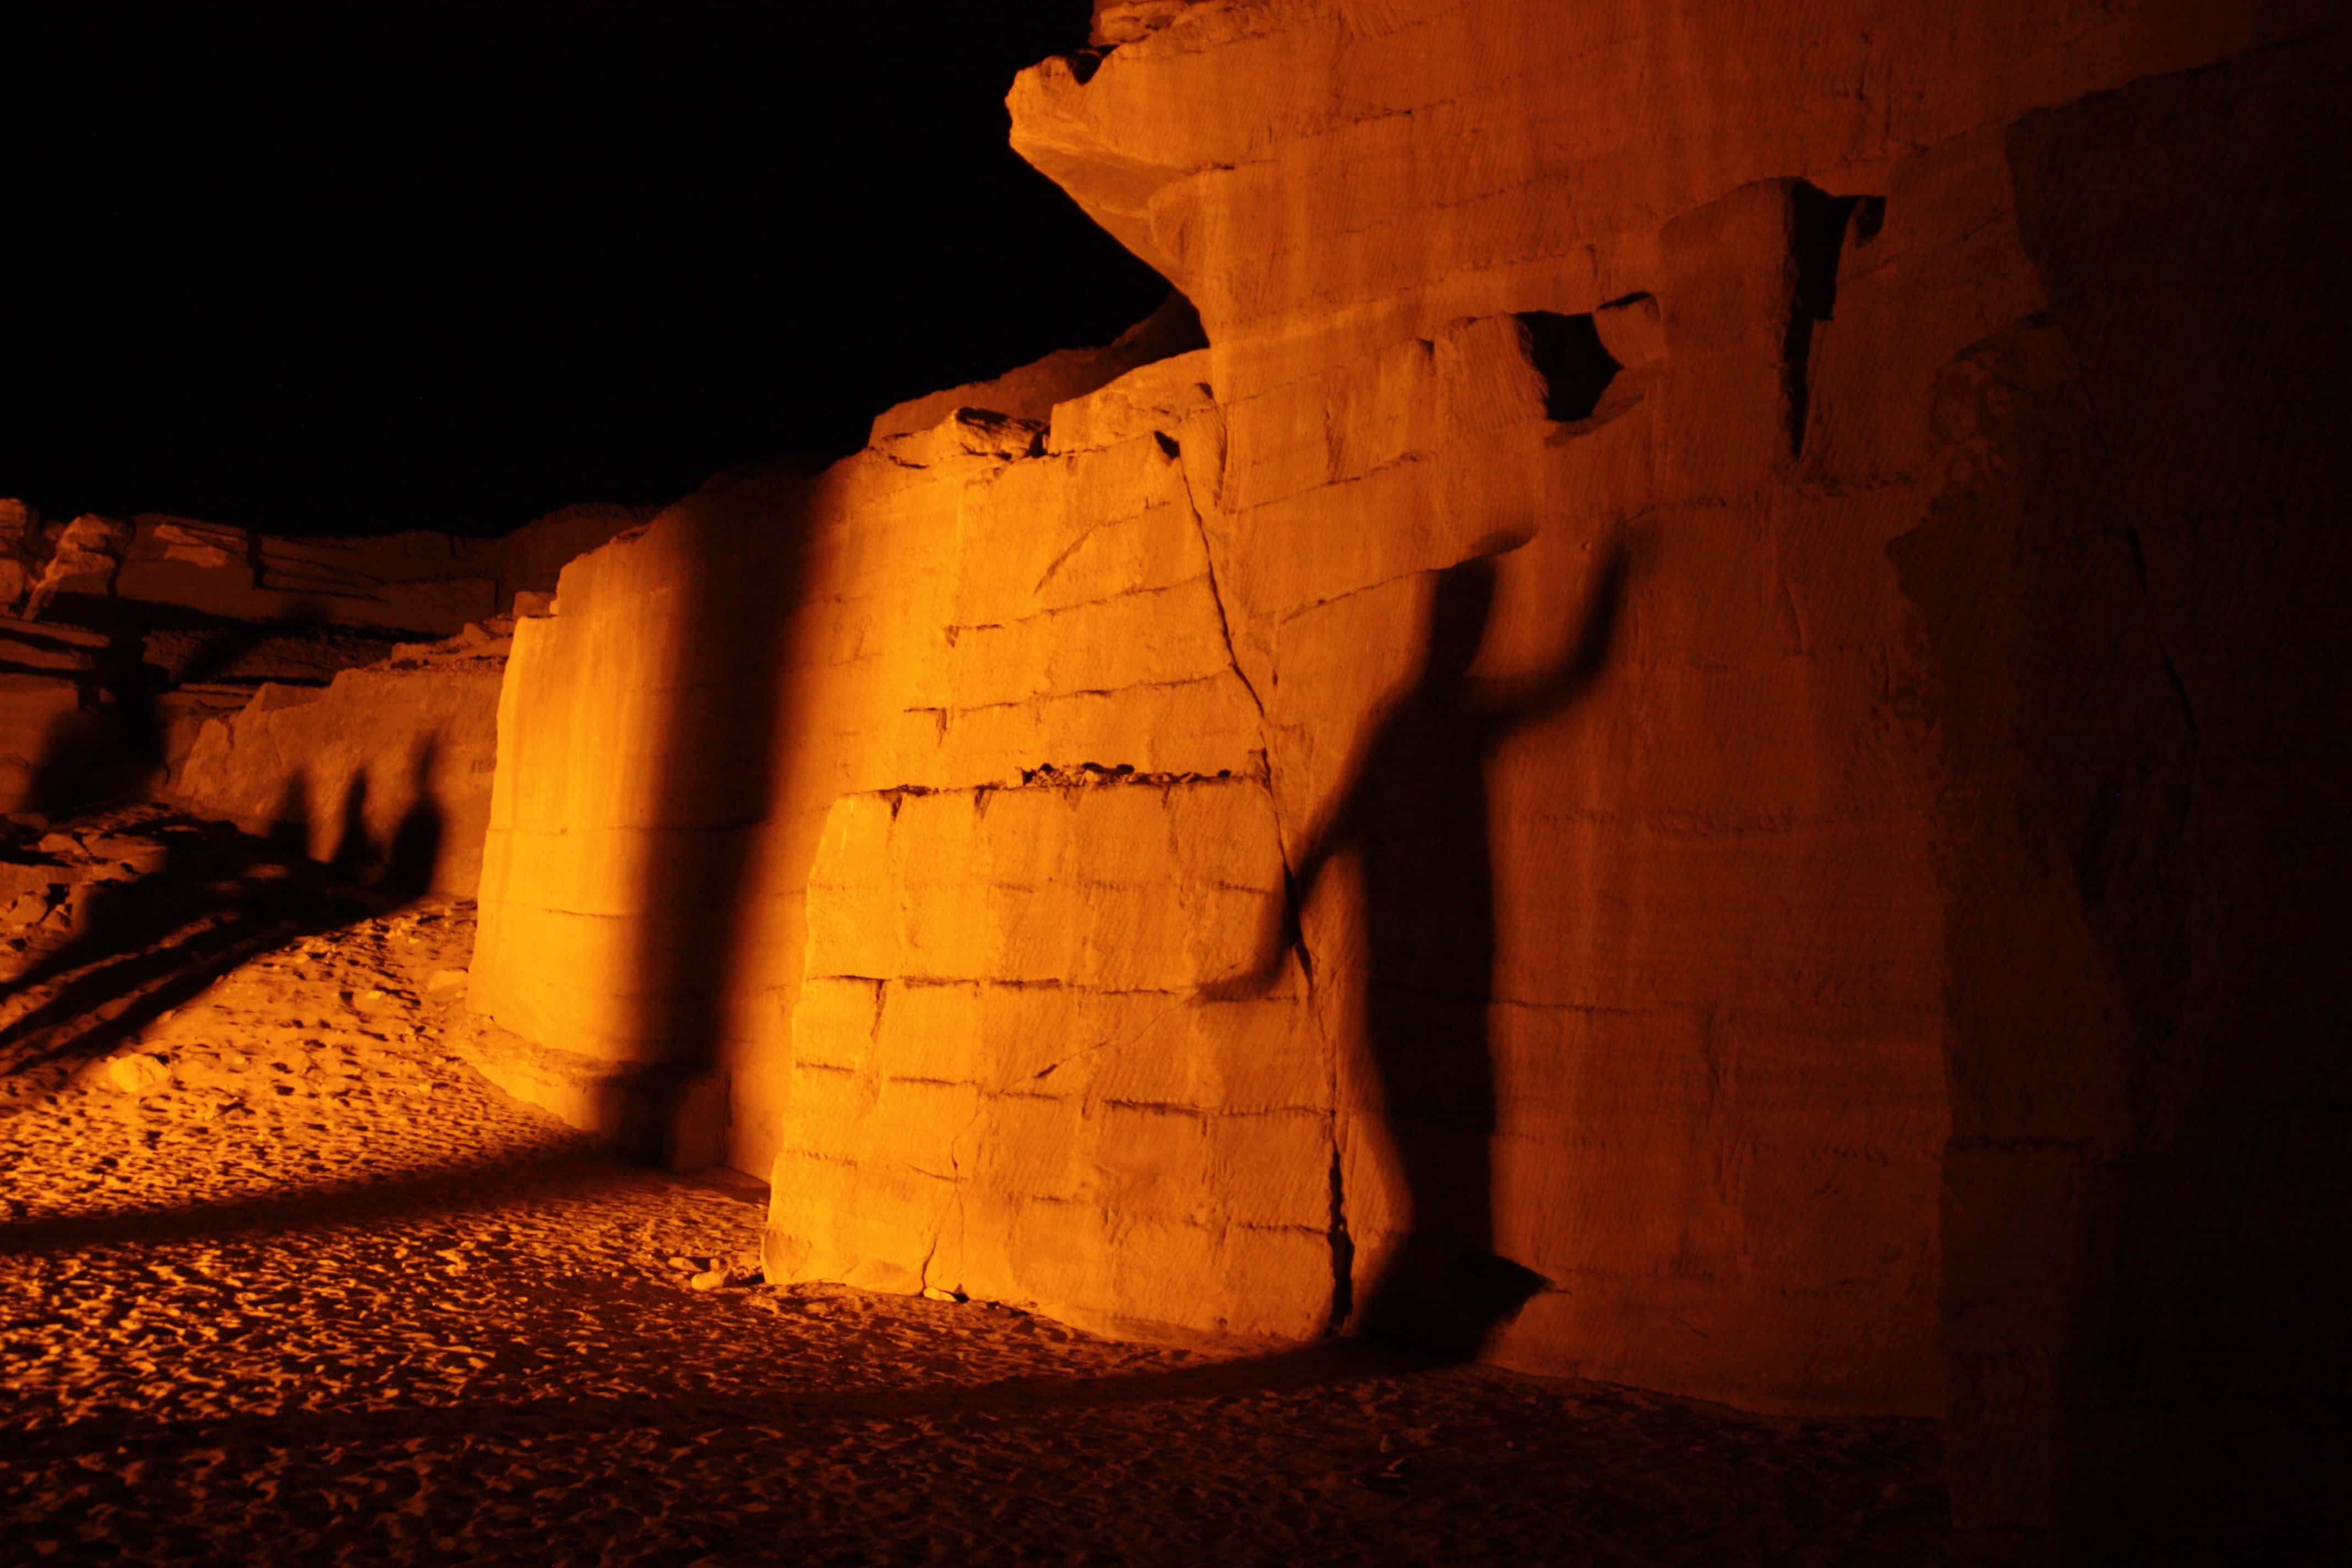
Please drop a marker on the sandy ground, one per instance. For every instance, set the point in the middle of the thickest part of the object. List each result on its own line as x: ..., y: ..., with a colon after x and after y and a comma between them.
x: 282, y: 1279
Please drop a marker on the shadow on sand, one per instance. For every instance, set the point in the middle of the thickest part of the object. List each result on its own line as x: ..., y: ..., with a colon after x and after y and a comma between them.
x: 217, y: 898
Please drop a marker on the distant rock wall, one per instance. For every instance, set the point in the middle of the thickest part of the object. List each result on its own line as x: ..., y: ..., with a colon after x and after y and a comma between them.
x: 422, y: 582
x: 136, y: 634
x: 45, y: 672
x: 384, y: 772
x: 1774, y: 934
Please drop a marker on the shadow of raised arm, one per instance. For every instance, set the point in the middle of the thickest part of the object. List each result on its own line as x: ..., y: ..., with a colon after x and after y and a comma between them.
x: 1509, y: 702
x: 1439, y: 727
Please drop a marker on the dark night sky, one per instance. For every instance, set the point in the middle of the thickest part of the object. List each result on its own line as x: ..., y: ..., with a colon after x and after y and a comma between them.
x: 348, y: 268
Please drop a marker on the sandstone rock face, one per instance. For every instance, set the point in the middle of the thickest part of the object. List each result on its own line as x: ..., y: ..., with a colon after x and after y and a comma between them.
x: 1665, y: 701
x: 1030, y: 391
x: 384, y: 772
x: 408, y: 582
x: 1120, y: 22
x: 1004, y: 1084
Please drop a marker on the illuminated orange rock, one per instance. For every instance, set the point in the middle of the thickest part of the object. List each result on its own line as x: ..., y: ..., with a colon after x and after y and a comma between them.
x: 1032, y: 391
x: 1120, y: 22
x: 1641, y: 554
x: 383, y: 772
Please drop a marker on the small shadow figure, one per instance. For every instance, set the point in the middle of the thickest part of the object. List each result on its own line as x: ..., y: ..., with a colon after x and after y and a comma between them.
x: 1414, y: 810
x: 355, y: 852
x: 414, y: 856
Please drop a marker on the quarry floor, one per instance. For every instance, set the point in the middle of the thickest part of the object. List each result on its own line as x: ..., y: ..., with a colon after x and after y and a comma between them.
x: 282, y: 1279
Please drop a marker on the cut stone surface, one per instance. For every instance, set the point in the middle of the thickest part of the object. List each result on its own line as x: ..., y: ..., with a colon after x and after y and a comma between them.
x: 1030, y: 391
x: 1658, y: 731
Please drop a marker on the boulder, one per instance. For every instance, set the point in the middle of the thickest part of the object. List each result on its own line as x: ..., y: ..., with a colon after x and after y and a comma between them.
x: 135, y: 1073
x: 1030, y: 391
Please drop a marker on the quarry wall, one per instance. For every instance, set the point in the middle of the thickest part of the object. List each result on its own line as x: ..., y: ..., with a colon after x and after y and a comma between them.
x: 383, y: 772
x: 1677, y: 695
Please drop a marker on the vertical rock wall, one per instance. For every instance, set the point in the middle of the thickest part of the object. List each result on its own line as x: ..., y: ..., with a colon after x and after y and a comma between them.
x: 1775, y: 935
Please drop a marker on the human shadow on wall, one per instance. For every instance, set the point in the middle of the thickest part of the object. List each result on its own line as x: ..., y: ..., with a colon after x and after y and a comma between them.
x: 401, y: 867
x: 1413, y: 808
x: 355, y: 852
x: 414, y: 856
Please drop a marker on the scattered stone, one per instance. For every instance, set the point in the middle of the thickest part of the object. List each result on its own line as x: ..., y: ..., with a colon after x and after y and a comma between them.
x: 135, y: 1072
x: 445, y: 982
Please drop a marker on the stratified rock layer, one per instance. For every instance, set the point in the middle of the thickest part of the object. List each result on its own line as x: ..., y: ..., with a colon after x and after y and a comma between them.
x: 1896, y: 781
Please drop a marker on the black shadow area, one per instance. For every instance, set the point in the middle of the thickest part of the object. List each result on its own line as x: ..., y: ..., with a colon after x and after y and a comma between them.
x: 736, y: 555
x: 2187, y: 232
